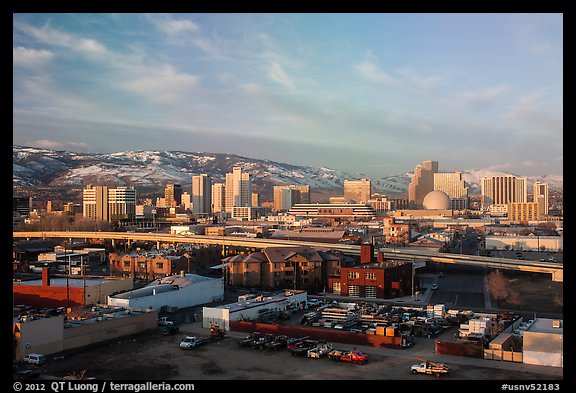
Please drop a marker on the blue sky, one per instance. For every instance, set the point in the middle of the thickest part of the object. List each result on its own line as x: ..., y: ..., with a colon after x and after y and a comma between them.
x: 374, y: 94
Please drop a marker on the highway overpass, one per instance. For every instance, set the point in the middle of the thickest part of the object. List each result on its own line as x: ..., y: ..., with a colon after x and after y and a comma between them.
x: 553, y: 268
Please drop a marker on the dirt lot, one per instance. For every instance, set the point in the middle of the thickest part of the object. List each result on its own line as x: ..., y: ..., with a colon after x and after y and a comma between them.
x: 151, y: 356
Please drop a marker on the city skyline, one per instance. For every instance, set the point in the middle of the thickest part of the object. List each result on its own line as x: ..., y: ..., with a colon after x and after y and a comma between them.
x: 385, y: 91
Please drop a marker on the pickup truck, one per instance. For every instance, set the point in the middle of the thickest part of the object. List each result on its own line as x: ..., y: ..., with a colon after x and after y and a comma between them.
x: 301, y: 348
x: 348, y: 356
x: 319, y: 351
x: 431, y: 368
x: 277, y: 343
x: 190, y: 342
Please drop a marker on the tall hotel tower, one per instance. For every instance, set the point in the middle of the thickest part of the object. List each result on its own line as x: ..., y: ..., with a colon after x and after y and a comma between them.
x: 238, y: 189
x: 501, y: 190
x: 106, y: 204
x: 422, y: 183
x: 201, y: 194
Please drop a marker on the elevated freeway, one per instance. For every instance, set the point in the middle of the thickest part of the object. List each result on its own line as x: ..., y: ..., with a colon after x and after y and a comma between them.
x: 553, y: 268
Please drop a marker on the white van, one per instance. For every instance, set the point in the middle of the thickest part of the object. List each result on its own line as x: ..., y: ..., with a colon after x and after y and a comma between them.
x: 34, y: 358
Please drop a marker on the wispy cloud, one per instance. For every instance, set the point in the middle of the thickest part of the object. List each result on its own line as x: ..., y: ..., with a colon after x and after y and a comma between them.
x: 373, y: 73
x: 49, y: 144
x: 277, y: 74
x: 30, y: 58
x: 163, y: 84
x: 172, y: 27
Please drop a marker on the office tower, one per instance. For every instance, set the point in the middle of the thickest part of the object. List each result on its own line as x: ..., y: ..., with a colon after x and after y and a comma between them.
x: 95, y: 202
x: 187, y: 201
x: 238, y: 189
x: 287, y: 196
x: 255, y: 199
x: 22, y: 205
x: 358, y: 190
x: 501, y: 190
x: 422, y: 182
x: 218, y: 197
x: 541, y: 197
x: 201, y: 194
x: 173, y: 195
x: 121, y: 203
x: 453, y: 185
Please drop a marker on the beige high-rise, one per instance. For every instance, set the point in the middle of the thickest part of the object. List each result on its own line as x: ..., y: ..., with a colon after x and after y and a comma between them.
x: 358, y: 190
x: 287, y: 196
x: 501, y: 190
x: 218, y: 197
x: 453, y: 185
x: 201, y: 194
x: 422, y: 182
x: 238, y: 189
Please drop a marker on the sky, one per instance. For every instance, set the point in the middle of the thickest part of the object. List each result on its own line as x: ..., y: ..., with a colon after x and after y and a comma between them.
x: 368, y: 93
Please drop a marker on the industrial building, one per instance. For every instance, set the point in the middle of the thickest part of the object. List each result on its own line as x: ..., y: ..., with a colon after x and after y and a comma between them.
x: 543, y: 343
x: 253, y: 308
x: 183, y: 290
x: 50, y: 335
x: 67, y: 292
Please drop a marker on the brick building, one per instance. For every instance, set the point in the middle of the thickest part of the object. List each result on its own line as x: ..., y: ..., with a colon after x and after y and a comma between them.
x: 379, y: 280
x: 284, y: 267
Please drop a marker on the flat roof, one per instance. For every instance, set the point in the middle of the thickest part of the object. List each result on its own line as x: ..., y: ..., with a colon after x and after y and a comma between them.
x: 62, y: 282
x: 244, y: 305
x: 544, y: 325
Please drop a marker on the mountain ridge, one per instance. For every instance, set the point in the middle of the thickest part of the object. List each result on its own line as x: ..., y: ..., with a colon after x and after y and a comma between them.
x: 34, y: 167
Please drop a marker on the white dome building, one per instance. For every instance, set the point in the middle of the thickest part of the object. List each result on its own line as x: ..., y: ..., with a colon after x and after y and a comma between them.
x: 437, y: 200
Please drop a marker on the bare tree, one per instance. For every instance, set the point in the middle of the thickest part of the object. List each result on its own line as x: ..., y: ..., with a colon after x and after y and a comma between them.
x: 498, y: 286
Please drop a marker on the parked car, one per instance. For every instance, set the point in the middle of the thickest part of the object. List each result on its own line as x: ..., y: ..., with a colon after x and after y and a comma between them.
x: 34, y: 358
x: 313, y: 302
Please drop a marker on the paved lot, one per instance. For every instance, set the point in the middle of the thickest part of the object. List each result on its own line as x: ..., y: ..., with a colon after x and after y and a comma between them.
x: 151, y: 356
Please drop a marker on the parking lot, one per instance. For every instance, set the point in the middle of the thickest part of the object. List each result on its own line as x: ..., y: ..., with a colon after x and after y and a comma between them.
x: 151, y: 356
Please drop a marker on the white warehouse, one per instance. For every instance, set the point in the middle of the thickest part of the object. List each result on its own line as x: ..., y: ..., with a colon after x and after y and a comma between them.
x: 184, y: 290
x: 249, y: 309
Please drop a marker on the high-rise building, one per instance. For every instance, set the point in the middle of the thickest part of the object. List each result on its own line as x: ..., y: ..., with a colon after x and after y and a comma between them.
x: 121, y: 203
x: 358, y: 190
x: 187, y: 201
x: 218, y: 197
x: 255, y: 199
x: 422, y: 183
x: 95, y: 202
x: 106, y: 204
x: 453, y: 185
x: 201, y: 194
x: 173, y: 195
x: 541, y: 197
x: 502, y: 190
x: 22, y: 205
x: 287, y: 196
x: 238, y: 189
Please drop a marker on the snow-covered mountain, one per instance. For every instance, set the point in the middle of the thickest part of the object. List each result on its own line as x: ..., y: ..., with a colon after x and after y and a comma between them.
x: 33, y: 167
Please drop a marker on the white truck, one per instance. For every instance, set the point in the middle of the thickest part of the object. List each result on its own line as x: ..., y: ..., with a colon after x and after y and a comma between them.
x: 190, y: 342
x: 430, y: 367
x: 319, y: 351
